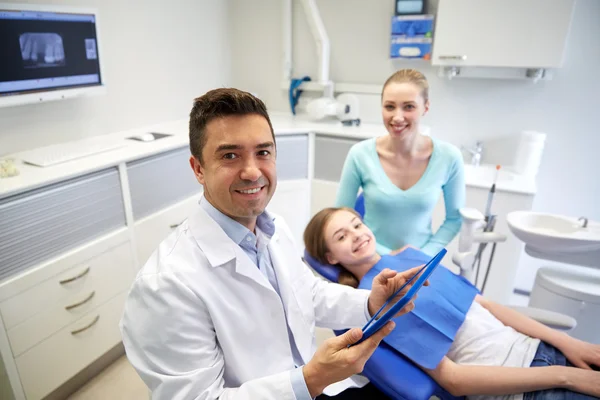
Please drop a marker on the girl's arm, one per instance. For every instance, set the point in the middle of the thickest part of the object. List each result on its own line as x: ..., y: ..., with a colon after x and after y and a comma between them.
x: 581, y: 354
x: 465, y: 380
x: 521, y: 323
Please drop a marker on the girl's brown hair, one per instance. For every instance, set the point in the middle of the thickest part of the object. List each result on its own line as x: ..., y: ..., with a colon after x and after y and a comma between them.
x: 411, y: 76
x: 314, y: 241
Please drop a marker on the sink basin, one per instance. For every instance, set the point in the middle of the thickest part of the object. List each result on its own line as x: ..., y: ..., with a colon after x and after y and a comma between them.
x: 554, y: 234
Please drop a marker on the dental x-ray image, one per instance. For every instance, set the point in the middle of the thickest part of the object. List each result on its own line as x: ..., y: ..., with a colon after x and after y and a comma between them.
x: 41, y: 50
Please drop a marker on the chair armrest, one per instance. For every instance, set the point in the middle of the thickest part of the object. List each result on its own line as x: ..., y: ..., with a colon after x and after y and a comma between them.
x: 551, y: 319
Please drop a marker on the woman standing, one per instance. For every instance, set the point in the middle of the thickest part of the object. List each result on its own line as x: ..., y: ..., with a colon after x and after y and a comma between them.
x: 402, y: 174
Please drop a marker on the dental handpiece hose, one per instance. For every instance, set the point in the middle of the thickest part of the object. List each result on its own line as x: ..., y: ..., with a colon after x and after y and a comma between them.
x: 488, y: 207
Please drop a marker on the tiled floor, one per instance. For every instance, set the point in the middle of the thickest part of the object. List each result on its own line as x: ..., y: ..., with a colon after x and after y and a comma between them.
x: 117, y: 382
x: 120, y: 381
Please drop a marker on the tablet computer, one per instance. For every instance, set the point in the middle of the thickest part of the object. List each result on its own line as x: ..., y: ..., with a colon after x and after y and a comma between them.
x: 374, y: 325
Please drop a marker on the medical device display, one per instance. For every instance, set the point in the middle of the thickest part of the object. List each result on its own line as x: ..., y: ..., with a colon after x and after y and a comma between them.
x: 45, y: 52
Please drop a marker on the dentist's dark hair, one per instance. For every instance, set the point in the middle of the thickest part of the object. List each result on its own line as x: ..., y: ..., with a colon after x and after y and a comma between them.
x: 316, y: 246
x: 221, y: 103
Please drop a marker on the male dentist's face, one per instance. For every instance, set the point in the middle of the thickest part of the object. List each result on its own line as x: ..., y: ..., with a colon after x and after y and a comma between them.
x: 238, y: 170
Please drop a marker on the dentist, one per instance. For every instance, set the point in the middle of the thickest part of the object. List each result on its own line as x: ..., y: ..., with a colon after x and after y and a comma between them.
x: 224, y: 308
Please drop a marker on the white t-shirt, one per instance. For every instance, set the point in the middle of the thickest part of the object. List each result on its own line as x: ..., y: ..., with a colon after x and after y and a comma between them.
x: 484, y: 340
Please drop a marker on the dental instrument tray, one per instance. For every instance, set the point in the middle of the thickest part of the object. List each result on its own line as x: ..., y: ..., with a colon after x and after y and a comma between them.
x: 424, y: 273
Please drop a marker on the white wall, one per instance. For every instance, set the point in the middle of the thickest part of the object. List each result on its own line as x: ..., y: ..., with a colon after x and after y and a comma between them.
x: 158, y: 55
x: 463, y: 111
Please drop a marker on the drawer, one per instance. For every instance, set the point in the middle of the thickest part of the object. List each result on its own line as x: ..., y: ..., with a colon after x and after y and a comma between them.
x: 52, y: 362
x: 292, y: 157
x: 50, y: 292
x: 330, y: 155
x: 150, y: 231
x: 113, y: 274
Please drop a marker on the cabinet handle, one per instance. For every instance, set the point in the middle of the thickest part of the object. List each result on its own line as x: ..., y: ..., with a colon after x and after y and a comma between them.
x: 82, y: 302
x: 81, y: 275
x: 85, y: 328
x: 176, y: 225
x: 460, y: 58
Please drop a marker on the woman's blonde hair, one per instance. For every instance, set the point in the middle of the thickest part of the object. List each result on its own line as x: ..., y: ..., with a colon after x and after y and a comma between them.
x: 409, y: 76
x: 316, y: 246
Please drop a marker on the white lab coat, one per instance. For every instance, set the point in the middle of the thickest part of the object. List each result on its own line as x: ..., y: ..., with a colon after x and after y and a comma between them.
x: 202, y: 322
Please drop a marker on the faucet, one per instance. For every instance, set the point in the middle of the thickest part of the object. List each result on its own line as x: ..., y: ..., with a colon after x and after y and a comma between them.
x: 475, y: 153
x: 585, y: 222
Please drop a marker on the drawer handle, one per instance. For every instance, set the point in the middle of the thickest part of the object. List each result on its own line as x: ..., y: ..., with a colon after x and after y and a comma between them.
x: 81, y: 275
x: 459, y: 58
x: 82, y: 302
x: 85, y: 328
x: 176, y: 225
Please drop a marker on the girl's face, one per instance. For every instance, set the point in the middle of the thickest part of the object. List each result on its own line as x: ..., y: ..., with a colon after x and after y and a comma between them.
x: 402, y: 106
x: 348, y: 240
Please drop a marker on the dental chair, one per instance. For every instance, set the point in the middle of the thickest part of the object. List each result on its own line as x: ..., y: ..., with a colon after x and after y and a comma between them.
x: 390, y: 371
x: 393, y: 373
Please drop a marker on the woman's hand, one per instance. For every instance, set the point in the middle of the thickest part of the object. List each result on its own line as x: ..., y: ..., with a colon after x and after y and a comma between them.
x: 581, y: 354
x: 401, y: 249
x: 385, y: 284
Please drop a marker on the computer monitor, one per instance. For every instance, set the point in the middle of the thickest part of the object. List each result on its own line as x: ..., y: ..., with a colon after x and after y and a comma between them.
x: 48, y: 53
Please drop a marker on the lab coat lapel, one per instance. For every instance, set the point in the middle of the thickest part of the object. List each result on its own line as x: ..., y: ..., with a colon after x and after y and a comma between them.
x: 219, y: 249
x: 244, y: 266
x: 281, y: 257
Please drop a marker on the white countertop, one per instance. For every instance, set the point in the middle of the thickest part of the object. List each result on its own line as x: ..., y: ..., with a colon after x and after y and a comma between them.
x: 31, y: 176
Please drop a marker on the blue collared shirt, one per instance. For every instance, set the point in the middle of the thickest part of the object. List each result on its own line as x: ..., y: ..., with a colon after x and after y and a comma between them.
x: 255, y: 246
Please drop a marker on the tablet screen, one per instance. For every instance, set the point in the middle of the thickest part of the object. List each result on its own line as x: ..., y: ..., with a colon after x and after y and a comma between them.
x: 374, y: 325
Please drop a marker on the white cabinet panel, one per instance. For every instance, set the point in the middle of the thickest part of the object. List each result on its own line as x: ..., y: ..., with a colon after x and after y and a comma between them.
x: 502, y: 33
x: 323, y: 195
x: 292, y: 157
x: 150, y: 231
x: 292, y: 202
x: 161, y: 180
x: 47, y: 222
x: 330, y: 155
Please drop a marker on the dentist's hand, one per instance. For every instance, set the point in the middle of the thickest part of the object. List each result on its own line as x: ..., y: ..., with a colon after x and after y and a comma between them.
x: 385, y: 285
x: 335, y: 361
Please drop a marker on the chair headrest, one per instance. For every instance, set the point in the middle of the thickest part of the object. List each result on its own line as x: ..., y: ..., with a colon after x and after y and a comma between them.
x: 327, y: 271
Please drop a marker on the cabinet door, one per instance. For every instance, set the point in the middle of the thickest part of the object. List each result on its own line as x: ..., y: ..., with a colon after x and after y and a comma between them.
x: 292, y: 202
x: 292, y: 157
x: 502, y: 33
x: 41, y: 224
x: 151, y: 230
x: 161, y: 180
x: 330, y: 155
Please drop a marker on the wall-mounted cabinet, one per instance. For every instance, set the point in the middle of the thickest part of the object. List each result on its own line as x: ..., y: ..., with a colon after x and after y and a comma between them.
x: 502, y: 33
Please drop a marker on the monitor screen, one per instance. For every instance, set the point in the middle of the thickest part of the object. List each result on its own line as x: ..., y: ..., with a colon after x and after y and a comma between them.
x: 409, y: 7
x: 45, y: 51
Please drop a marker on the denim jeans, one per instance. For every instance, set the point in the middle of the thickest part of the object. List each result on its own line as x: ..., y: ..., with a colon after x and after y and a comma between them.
x: 545, y: 356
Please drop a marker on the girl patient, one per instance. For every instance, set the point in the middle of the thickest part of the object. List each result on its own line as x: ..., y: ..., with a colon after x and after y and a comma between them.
x: 469, y: 345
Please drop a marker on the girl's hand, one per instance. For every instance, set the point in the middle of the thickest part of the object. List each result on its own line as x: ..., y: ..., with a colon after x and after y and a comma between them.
x: 581, y: 354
